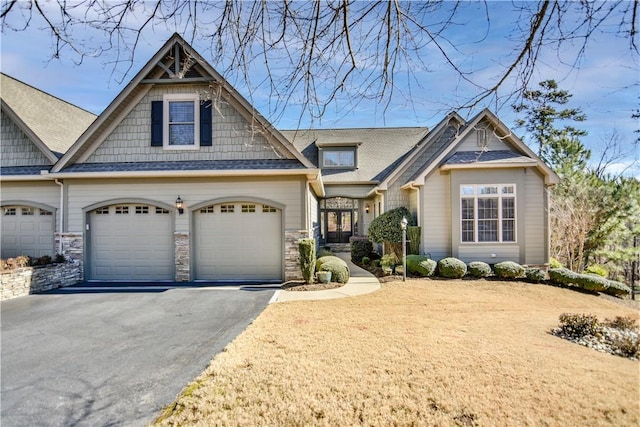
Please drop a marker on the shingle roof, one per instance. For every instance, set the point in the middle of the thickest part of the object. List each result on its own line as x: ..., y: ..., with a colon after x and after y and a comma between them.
x: 56, y: 122
x: 380, y: 149
x: 493, y: 157
x: 186, y: 165
x: 23, y: 170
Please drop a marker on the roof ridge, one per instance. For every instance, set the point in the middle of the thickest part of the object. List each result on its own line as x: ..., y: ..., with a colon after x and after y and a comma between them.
x: 356, y: 128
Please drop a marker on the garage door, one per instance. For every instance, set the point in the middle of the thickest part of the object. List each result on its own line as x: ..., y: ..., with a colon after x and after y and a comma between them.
x: 131, y: 242
x: 238, y: 241
x: 27, y: 231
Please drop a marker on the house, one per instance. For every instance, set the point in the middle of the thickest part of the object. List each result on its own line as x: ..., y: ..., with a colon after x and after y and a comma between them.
x: 181, y: 179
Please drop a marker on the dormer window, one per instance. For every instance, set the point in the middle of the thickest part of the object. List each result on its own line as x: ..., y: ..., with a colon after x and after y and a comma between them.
x: 333, y: 156
x: 181, y: 114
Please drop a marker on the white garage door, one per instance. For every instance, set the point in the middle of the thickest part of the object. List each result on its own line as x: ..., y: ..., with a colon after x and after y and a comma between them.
x: 26, y: 231
x: 131, y: 242
x: 238, y: 241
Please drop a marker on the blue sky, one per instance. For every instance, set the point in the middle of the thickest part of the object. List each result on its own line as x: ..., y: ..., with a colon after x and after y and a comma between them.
x: 605, y: 86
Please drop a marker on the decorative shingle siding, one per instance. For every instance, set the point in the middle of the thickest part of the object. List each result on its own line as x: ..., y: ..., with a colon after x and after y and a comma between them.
x: 16, y: 148
x: 233, y: 137
x: 397, y: 197
x: 493, y: 143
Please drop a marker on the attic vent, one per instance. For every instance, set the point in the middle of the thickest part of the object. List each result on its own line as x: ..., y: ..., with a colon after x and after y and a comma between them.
x: 481, y: 134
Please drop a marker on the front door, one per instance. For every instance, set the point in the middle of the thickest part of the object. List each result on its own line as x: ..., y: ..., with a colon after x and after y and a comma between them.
x: 339, y: 226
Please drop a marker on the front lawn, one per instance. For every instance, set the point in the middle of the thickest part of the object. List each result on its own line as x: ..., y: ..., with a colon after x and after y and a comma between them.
x: 424, y: 352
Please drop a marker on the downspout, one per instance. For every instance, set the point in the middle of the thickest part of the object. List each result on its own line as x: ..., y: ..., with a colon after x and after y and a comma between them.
x: 61, y: 214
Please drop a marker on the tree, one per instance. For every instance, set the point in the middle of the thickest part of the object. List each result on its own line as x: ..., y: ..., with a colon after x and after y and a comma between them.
x: 335, y: 53
x: 541, y: 115
x: 386, y: 229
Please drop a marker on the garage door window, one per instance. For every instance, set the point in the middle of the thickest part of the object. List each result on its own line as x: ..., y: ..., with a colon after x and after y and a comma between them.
x: 161, y: 211
x: 45, y: 213
x: 122, y: 210
x: 227, y: 208
x: 142, y: 210
x: 268, y: 209
x: 248, y: 208
x: 207, y: 210
x: 10, y: 211
x: 102, y: 211
x: 28, y: 212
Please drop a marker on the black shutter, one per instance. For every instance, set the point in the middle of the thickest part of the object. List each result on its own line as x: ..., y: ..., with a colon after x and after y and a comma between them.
x: 206, y: 139
x: 156, y: 123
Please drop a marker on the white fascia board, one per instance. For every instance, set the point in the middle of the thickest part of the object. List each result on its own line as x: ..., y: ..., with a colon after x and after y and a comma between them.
x: 184, y: 174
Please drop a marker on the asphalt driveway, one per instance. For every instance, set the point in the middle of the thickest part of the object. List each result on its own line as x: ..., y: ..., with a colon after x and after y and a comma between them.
x: 114, y: 357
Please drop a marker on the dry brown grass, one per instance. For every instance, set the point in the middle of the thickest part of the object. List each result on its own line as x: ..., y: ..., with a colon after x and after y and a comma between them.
x: 420, y: 353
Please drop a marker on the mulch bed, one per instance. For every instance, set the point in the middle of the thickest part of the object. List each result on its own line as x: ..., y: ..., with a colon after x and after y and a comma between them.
x: 302, y: 286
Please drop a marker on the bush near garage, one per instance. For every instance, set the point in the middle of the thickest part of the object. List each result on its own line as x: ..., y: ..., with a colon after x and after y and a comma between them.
x: 451, y: 268
x: 338, y: 268
x: 479, y: 269
x: 307, y: 248
x: 508, y: 270
x: 420, y: 265
x: 360, y: 247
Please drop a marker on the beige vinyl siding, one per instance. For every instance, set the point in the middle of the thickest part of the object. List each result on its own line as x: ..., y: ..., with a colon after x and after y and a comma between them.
x: 233, y: 137
x: 436, y: 216
x: 286, y: 191
x: 16, y: 149
x: 366, y: 218
x: 314, y: 219
x: 351, y: 191
x: 413, y: 204
x: 491, y: 252
x: 39, y: 192
x: 470, y: 142
x: 535, y: 229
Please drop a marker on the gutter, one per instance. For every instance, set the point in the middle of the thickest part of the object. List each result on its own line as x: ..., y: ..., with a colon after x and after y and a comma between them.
x: 412, y: 186
x: 186, y: 174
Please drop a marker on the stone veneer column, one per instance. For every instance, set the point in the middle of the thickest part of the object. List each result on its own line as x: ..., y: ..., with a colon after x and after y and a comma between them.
x: 183, y: 257
x: 72, y: 248
x: 292, y: 254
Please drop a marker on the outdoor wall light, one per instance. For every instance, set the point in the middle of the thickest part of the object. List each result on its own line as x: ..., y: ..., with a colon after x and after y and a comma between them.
x: 180, y: 205
x: 366, y: 208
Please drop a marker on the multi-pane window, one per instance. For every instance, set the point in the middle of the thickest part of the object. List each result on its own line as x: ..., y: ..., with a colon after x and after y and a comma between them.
x: 45, y: 213
x: 122, y: 210
x: 227, y: 208
x: 344, y: 158
x: 10, y: 211
x: 248, y: 208
x: 181, y: 113
x: 102, y: 211
x: 142, y: 210
x: 266, y: 209
x: 488, y: 213
x: 161, y: 211
x: 207, y: 209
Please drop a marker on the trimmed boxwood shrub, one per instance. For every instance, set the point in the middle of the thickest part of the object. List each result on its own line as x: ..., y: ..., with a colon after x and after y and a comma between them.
x: 420, y: 265
x: 590, y: 282
x: 508, y: 270
x: 386, y: 228
x: 616, y: 288
x: 563, y: 276
x: 307, y: 248
x: 360, y: 248
x: 327, y: 258
x: 535, y: 275
x: 451, y: 268
x: 479, y: 269
x: 366, y: 260
x: 338, y: 268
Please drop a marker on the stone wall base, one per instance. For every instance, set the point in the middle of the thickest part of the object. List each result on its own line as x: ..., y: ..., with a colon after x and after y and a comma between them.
x: 292, y: 254
x: 30, y: 280
x: 183, y: 257
x: 72, y: 248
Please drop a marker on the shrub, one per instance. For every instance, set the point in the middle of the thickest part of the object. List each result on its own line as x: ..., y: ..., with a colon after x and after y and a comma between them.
x: 563, y: 276
x: 420, y: 265
x: 592, y: 282
x: 451, y: 268
x: 579, y: 325
x: 598, y: 270
x: 360, y: 248
x: 43, y: 260
x: 307, y: 249
x: 535, y: 275
x: 366, y: 260
x: 374, y: 255
x: 413, y: 237
x: 554, y: 263
x: 59, y: 259
x: 324, y: 252
x: 508, y: 270
x: 321, y: 260
x: 338, y: 268
x: 626, y: 323
x: 388, y: 263
x: 616, y: 288
x: 627, y: 346
x: 479, y: 269
x: 375, y: 263
x: 386, y: 228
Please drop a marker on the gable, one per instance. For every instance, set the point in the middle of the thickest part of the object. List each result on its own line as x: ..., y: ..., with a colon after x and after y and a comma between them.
x: 179, y: 109
x: 16, y: 148
x: 484, y: 136
x: 232, y: 138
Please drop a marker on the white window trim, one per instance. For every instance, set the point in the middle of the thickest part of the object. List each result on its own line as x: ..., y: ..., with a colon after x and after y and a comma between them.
x: 477, y: 196
x: 349, y: 149
x: 169, y: 97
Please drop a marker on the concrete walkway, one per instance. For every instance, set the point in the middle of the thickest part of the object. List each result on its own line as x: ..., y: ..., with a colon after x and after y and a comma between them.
x: 361, y: 282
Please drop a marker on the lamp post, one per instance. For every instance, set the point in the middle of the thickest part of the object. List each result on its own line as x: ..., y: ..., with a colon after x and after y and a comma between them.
x: 403, y: 224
